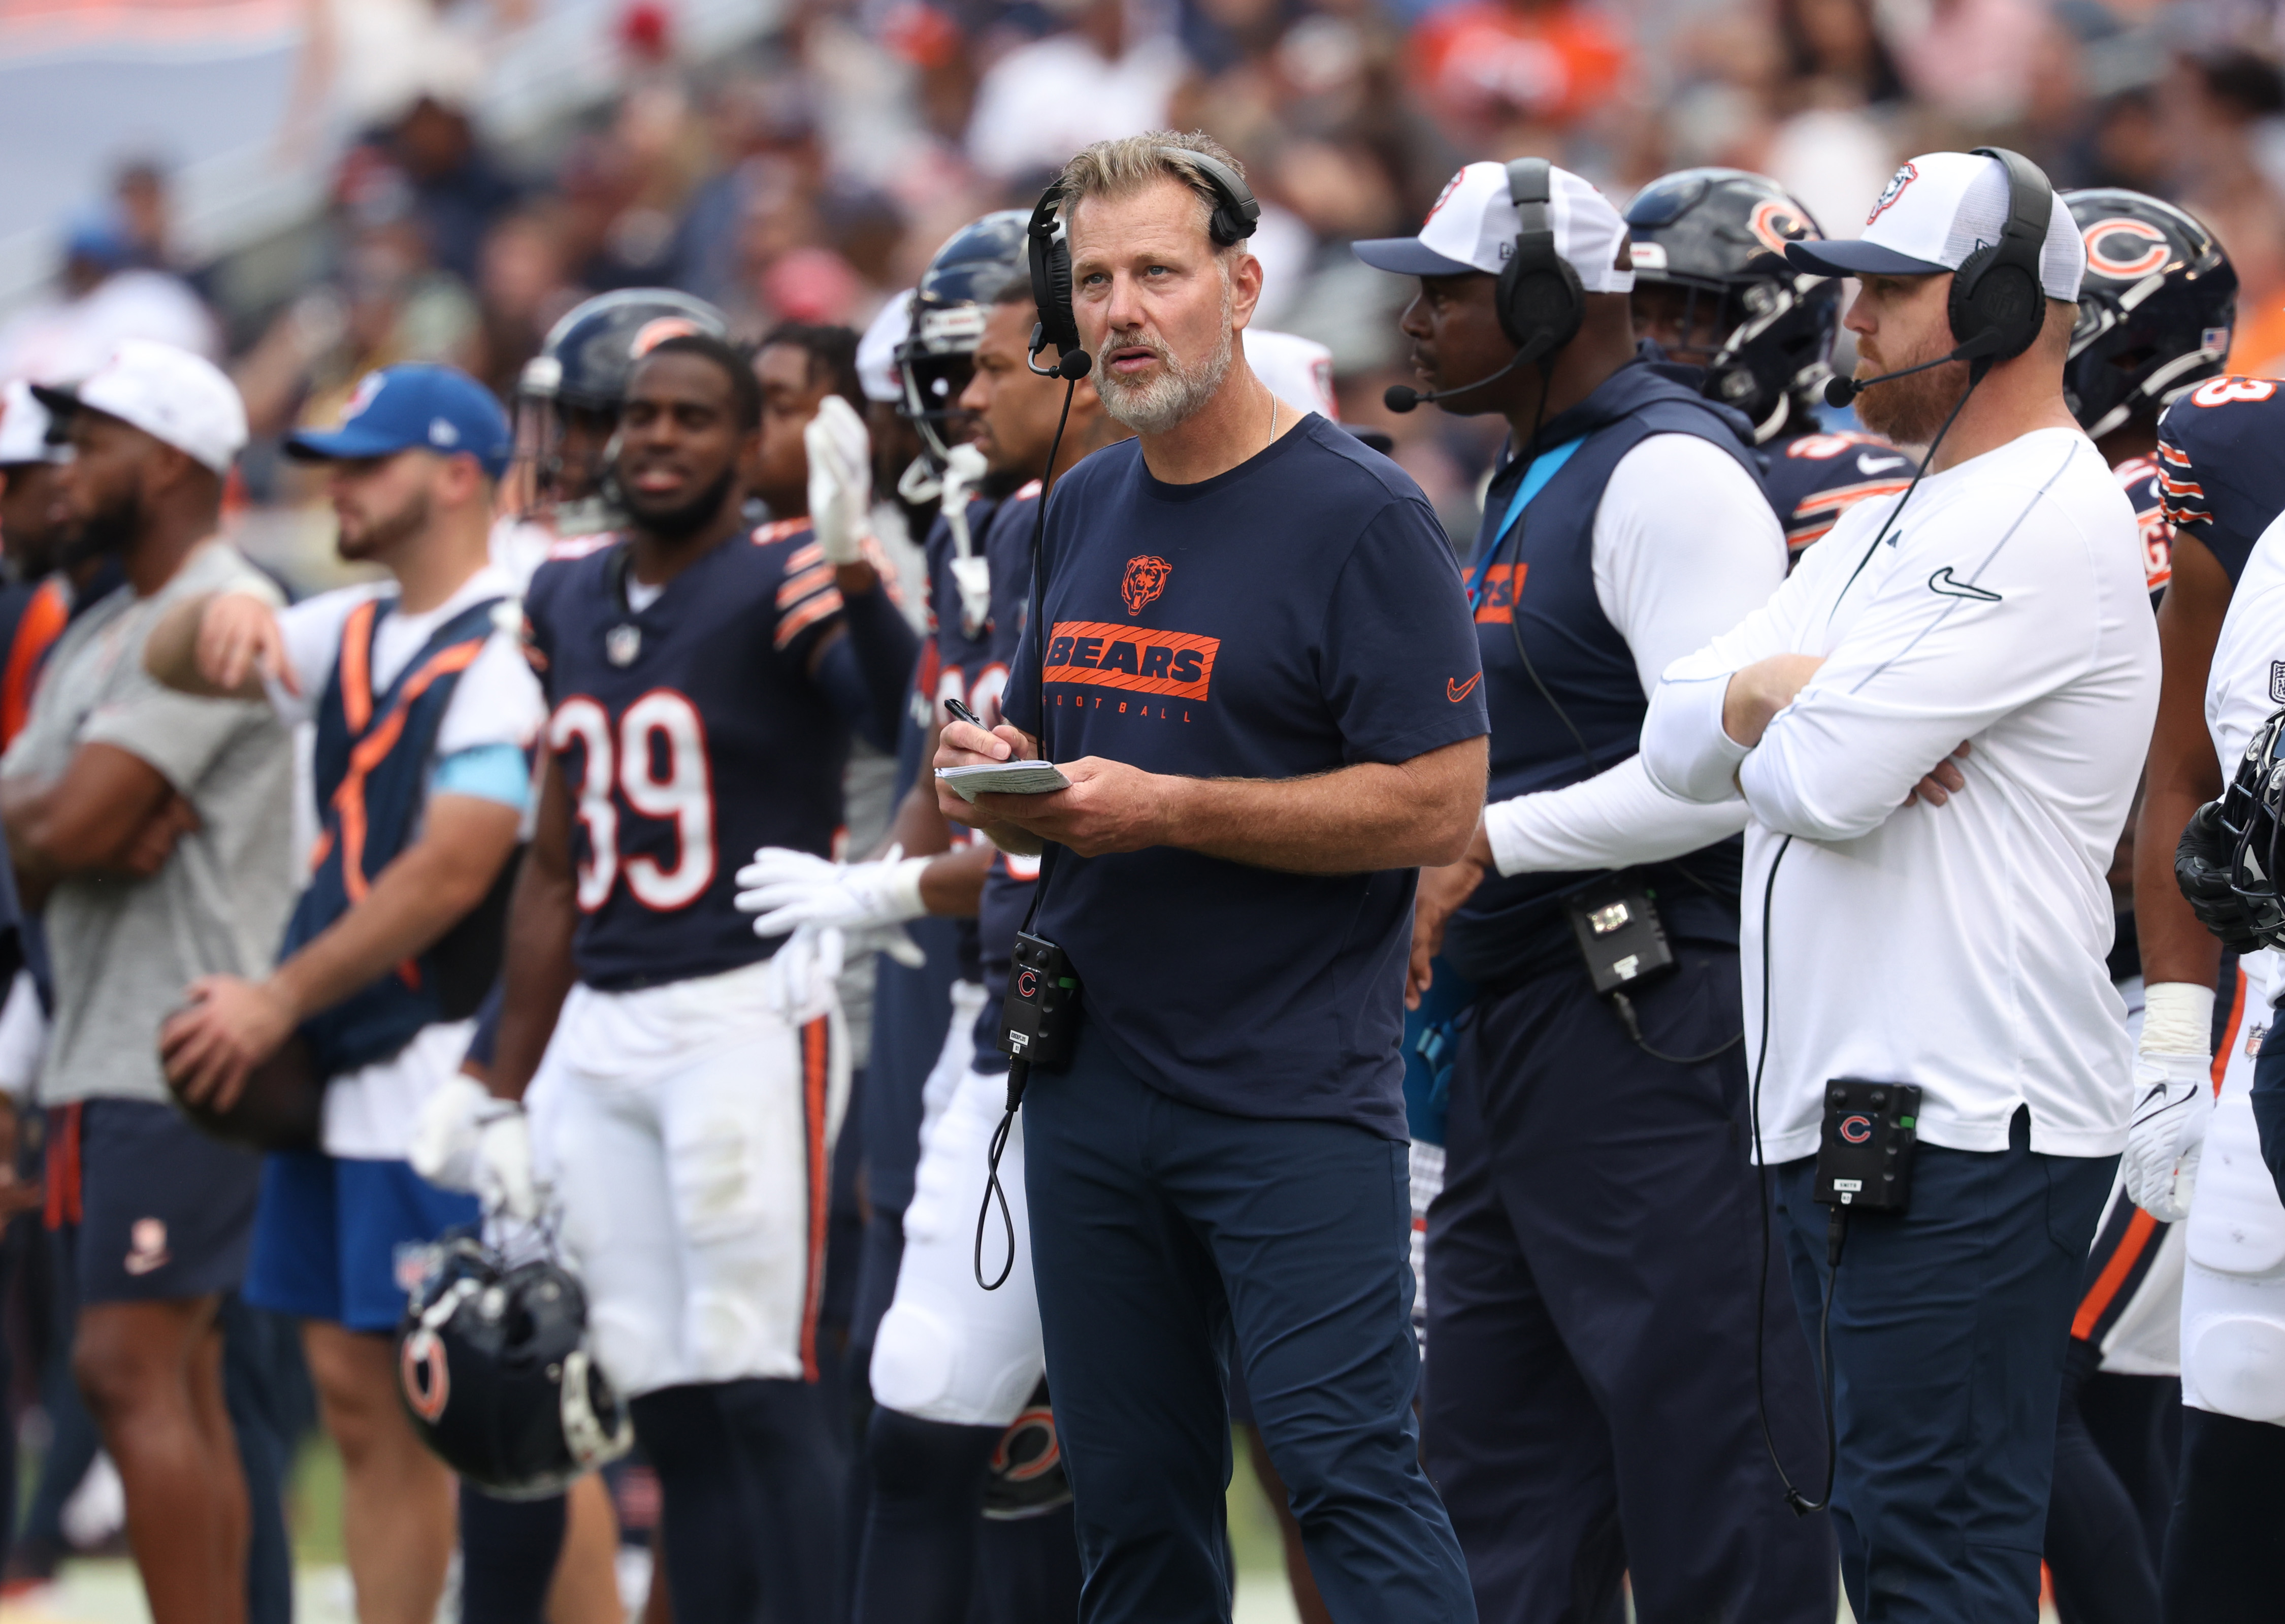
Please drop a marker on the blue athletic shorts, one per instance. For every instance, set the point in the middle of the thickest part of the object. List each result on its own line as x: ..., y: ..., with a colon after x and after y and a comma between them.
x: 344, y: 1240
x: 145, y: 1207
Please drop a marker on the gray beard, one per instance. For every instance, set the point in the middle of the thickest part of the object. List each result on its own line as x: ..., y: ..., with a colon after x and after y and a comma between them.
x: 1175, y: 393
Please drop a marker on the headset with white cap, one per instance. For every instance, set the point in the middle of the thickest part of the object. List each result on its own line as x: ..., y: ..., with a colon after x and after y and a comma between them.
x: 1564, y: 246
x: 2007, y: 259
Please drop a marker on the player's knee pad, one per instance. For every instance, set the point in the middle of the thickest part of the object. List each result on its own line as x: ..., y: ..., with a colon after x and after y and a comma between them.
x: 728, y: 1335
x: 632, y: 1345
x: 2234, y: 1289
x: 913, y: 1359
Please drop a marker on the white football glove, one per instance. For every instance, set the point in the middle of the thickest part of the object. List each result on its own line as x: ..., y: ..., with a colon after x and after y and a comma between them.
x: 840, y: 480
x: 805, y: 974
x: 2174, y: 1101
x: 869, y: 902
x: 467, y: 1139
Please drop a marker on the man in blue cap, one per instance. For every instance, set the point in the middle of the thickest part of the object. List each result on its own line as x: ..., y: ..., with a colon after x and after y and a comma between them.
x: 425, y: 709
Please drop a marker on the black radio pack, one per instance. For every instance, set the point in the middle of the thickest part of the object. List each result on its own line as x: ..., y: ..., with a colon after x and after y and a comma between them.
x: 1864, y: 1153
x: 1039, y: 1023
x: 1621, y: 934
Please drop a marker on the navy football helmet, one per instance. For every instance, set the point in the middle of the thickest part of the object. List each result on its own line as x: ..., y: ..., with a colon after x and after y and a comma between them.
x: 567, y: 398
x: 494, y: 1367
x: 1713, y: 241
x: 948, y: 310
x: 2155, y: 310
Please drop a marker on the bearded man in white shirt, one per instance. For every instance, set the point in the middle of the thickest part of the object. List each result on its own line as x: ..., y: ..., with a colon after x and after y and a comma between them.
x: 1944, y: 932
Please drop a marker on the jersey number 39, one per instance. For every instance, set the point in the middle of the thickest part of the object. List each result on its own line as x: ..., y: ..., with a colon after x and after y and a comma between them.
x: 660, y: 725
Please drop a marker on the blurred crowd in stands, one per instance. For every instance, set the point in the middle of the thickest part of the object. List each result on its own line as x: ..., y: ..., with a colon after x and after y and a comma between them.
x: 810, y: 176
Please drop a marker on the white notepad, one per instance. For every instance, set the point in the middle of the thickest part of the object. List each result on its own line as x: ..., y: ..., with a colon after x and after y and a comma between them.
x: 1004, y: 777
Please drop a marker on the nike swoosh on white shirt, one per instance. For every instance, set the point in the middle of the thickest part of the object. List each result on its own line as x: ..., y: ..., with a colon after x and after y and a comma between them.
x: 1941, y: 581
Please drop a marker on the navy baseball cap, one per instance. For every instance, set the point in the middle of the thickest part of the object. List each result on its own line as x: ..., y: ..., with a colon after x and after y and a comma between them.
x: 435, y: 408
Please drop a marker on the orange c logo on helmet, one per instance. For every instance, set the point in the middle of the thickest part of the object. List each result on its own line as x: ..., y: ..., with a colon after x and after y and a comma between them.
x: 1145, y: 580
x: 1777, y: 224
x: 651, y: 335
x: 425, y: 1375
x: 2102, y: 263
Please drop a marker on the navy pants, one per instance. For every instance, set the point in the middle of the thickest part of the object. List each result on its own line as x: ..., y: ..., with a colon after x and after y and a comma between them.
x: 1164, y: 1238
x: 1949, y: 1325
x: 1593, y: 1264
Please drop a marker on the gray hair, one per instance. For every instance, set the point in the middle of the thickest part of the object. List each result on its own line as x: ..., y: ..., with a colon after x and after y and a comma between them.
x: 1130, y: 164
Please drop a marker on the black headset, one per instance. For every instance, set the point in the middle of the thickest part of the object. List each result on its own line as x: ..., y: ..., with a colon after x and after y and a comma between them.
x: 1235, y: 213
x: 1540, y: 300
x: 1997, y: 289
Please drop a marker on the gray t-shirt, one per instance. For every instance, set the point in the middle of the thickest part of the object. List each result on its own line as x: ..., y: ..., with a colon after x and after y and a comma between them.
x: 124, y: 949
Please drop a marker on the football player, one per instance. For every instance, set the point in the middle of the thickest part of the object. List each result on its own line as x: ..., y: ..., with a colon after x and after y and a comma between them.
x: 701, y: 680
x: 1713, y: 291
x: 961, y: 1426
x: 2230, y: 1492
x: 424, y: 708
x: 566, y: 406
x: 2154, y: 322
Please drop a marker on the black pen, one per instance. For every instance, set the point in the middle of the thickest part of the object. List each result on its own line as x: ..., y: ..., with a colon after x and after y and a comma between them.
x: 963, y: 713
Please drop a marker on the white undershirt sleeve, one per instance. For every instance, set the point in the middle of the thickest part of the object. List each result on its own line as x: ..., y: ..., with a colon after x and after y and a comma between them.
x: 1685, y: 545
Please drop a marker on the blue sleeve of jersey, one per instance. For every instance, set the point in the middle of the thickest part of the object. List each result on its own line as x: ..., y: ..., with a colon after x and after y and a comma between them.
x: 1400, y: 669
x: 866, y: 673
x: 490, y: 771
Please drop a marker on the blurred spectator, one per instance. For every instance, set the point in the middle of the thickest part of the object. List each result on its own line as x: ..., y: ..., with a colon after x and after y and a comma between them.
x: 387, y: 304
x: 1970, y: 60
x: 103, y: 295
x: 1106, y: 75
x: 1502, y: 75
x: 457, y: 190
x: 523, y: 284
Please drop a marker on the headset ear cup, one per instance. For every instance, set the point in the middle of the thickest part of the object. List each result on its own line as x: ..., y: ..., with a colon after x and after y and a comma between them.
x: 1989, y: 296
x: 1540, y: 295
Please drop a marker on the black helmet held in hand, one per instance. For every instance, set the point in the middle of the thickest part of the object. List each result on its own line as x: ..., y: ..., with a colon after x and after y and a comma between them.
x: 948, y: 311
x: 2155, y: 310
x: 2226, y: 862
x: 495, y: 1370
x: 1710, y: 274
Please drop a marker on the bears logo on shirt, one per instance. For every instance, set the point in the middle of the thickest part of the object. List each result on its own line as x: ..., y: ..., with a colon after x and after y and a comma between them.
x: 1145, y: 580
x: 1178, y: 664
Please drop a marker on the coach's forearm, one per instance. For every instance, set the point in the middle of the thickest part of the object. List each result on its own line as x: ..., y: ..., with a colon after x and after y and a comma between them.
x: 1415, y: 815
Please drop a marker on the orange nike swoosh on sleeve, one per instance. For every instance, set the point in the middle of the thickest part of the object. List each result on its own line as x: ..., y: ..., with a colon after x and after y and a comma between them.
x: 1457, y: 691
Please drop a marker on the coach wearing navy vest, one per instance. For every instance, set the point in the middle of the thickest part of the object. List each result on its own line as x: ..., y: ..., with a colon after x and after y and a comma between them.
x: 1260, y: 680
x: 1589, y: 1405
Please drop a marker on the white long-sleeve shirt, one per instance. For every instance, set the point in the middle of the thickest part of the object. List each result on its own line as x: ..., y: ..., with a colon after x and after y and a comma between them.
x: 1665, y: 599
x: 1961, y: 948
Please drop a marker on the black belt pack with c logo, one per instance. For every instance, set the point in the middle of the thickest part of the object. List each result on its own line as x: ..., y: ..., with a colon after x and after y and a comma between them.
x: 1864, y: 1154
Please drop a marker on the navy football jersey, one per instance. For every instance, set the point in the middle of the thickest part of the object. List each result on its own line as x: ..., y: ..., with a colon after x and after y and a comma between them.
x: 2139, y: 478
x: 1813, y: 479
x: 689, y: 733
x: 962, y: 657
x: 1008, y: 886
x: 2220, y: 474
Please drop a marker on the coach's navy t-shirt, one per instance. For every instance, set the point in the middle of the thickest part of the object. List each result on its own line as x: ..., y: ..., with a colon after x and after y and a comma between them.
x: 1299, y: 613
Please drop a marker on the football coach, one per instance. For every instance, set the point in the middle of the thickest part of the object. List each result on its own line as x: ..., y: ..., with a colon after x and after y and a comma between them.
x: 1959, y: 948
x: 1262, y: 681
